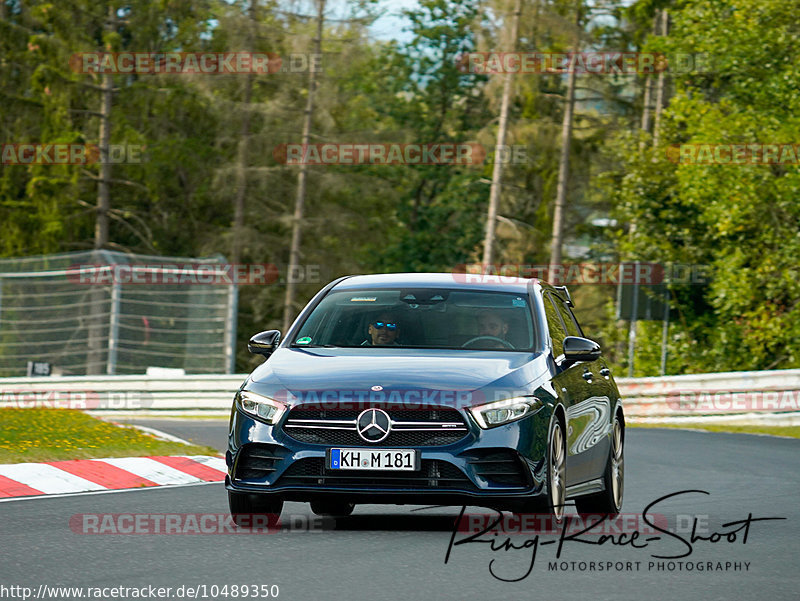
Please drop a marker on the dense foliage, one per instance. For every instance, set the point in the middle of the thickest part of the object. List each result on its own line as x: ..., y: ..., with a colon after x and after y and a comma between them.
x: 211, y: 140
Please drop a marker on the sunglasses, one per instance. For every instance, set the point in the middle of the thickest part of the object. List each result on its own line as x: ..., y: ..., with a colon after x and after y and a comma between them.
x: 379, y: 325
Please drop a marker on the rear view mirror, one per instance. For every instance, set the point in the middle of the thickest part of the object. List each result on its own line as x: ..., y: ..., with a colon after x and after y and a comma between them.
x: 264, y: 343
x: 581, y: 349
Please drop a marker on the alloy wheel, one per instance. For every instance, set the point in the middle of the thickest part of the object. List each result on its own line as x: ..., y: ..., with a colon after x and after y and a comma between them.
x: 617, y: 464
x: 557, y: 472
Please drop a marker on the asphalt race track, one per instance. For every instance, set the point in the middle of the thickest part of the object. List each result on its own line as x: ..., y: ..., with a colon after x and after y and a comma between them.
x: 210, y: 432
x: 391, y: 552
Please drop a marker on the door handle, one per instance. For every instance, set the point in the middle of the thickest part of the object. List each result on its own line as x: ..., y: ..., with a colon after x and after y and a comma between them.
x: 605, y: 372
x: 587, y: 375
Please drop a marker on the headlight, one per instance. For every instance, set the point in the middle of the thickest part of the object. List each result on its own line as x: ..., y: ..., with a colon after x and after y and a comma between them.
x: 505, y: 411
x: 262, y: 407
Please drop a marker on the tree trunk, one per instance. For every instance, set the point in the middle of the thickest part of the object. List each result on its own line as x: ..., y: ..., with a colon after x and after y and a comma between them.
x: 241, y: 175
x: 103, y: 190
x: 294, y: 251
x: 648, y: 89
x: 497, y: 169
x: 242, y: 155
x: 95, y: 338
x: 563, y: 164
x: 661, y: 87
x: 648, y: 94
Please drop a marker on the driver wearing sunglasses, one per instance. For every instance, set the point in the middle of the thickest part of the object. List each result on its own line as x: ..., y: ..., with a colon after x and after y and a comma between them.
x: 382, y: 331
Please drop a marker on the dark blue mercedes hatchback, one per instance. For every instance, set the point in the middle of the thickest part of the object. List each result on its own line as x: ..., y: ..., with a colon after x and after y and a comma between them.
x: 446, y: 389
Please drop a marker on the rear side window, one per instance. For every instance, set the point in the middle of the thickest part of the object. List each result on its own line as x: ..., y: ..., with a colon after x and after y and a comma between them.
x: 555, y: 324
x: 568, y: 318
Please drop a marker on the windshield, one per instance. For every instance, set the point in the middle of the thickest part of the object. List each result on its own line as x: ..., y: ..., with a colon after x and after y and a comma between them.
x: 420, y: 318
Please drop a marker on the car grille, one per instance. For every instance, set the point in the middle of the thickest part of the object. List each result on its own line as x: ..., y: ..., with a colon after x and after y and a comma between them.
x: 500, y: 467
x: 257, y: 461
x: 410, y: 427
x: 433, y: 474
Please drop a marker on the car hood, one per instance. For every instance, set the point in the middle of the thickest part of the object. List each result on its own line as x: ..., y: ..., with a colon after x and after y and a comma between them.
x: 297, y: 371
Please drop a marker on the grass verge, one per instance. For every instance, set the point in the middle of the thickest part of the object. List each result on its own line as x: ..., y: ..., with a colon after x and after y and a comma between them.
x: 790, y: 431
x: 58, y: 434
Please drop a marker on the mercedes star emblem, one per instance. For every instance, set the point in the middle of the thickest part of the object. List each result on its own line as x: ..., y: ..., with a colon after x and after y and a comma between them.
x: 373, y: 425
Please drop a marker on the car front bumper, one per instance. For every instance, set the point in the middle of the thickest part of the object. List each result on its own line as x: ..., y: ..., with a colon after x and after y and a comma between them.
x: 498, y: 467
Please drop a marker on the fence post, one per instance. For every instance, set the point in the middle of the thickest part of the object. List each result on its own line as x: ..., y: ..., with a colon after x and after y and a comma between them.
x: 634, y: 319
x: 665, y: 331
x: 230, y: 328
x: 113, y: 328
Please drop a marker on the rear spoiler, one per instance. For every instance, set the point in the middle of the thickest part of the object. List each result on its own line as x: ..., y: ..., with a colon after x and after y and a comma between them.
x: 568, y: 298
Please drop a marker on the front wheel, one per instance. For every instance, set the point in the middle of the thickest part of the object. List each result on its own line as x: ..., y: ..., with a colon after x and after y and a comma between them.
x: 608, y: 502
x: 553, y: 503
x: 557, y: 472
x: 244, y: 506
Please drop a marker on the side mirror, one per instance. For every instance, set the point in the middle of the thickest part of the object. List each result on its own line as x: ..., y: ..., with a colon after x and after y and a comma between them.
x: 264, y: 343
x: 580, y: 349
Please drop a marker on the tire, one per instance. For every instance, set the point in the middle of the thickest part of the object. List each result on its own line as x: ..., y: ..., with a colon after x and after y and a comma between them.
x: 338, y: 509
x: 244, y: 506
x: 608, y: 502
x: 557, y: 472
x: 554, y: 501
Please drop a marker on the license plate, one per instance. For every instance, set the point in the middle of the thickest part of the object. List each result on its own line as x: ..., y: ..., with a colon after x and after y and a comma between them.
x: 373, y: 459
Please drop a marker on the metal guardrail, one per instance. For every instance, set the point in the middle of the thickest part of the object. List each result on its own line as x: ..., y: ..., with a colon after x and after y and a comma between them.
x: 719, y: 394
x: 195, y: 393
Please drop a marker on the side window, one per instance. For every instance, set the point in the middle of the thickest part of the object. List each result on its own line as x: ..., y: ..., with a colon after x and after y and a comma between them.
x: 569, y: 319
x: 555, y: 324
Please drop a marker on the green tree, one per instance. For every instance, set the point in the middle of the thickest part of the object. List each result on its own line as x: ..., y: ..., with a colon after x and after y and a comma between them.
x: 740, y: 219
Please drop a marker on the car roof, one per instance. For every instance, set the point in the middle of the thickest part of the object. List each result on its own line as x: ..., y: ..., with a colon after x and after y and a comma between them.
x: 464, y: 281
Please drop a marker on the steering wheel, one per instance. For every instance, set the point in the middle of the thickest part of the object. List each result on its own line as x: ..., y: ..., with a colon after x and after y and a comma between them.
x: 505, y: 343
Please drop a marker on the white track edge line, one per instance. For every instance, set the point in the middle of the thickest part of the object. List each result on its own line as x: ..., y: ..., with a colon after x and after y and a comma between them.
x: 157, y: 433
